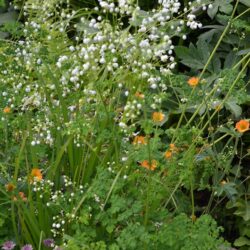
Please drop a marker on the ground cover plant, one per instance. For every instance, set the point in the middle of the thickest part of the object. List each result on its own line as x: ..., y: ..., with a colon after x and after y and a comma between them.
x: 124, y: 124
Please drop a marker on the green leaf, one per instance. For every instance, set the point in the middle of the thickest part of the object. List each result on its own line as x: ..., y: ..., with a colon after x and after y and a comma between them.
x: 245, y: 2
x: 242, y: 241
x: 243, y: 52
x: 230, y: 60
x: 246, y: 231
x: 3, y: 35
x: 8, y: 17
x: 203, y: 50
x: 229, y: 189
x: 228, y: 131
x: 2, y: 3
x: 243, y: 210
x: 234, y: 108
x: 182, y: 52
x: 196, y: 57
x: 110, y: 228
x: 193, y: 63
x: 220, y: 5
x: 215, y: 65
x: 208, y: 35
x: 213, y: 11
x: 227, y: 8
x: 190, y: 56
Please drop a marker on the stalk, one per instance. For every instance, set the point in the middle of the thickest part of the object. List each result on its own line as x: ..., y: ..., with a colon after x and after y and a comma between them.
x: 205, y: 68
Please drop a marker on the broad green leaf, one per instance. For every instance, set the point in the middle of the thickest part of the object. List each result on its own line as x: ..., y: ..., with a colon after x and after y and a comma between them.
x: 243, y: 52
x: 213, y: 11
x: 236, y: 170
x: 223, y: 6
x: 234, y: 108
x: 231, y: 39
x: 229, y: 189
x: 196, y: 57
x: 190, y: 56
x: 215, y: 65
x: 246, y: 231
x: 193, y: 63
x: 214, y: 26
x: 8, y: 17
x: 2, y: 3
x: 222, y: 19
x: 245, y: 2
x: 230, y: 60
x: 3, y: 35
x: 228, y: 131
x: 182, y: 52
x: 242, y: 241
x: 202, y: 109
x: 243, y: 210
x: 227, y: 8
x: 203, y: 50
x: 208, y: 36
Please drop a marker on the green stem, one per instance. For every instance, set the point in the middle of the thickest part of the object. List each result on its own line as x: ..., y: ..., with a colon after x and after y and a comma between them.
x: 192, y: 197
x: 228, y: 93
x: 243, y: 13
x: 243, y: 59
x: 211, y: 57
x: 219, y: 139
x: 13, y: 218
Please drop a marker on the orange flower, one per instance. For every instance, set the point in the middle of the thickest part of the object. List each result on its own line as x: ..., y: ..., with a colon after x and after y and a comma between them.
x: 139, y: 95
x: 10, y: 187
x: 168, y: 154
x: 6, y: 110
x: 172, y: 149
x: 193, y: 81
x: 145, y: 164
x: 36, y: 174
x: 242, y: 126
x: 139, y: 139
x: 21, y: 195
x: 158, y: 117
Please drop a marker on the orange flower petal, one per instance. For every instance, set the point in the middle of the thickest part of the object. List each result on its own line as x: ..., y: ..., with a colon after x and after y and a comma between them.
x: 37, y: 174
x: 158, y: 117
x: 168, y: 154
x: 6, y: 110
x: 242, y: 126
x: 139, y: 139
x: 139, y: 95
x: 22, y: 196
x: 193, y: 81
x: 145, y: 164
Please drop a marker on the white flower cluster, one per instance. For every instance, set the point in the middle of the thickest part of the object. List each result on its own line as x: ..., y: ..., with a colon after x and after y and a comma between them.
x: 192, y: 23
x: 122, y: 7
x: 51, y: 72
x: 132, y: 109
